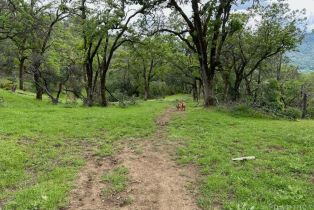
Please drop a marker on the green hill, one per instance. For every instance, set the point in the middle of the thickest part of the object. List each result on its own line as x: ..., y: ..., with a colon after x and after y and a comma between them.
x: 303, y: 57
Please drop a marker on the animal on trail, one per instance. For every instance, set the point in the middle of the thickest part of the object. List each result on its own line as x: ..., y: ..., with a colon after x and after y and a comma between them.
x: 181, y: 106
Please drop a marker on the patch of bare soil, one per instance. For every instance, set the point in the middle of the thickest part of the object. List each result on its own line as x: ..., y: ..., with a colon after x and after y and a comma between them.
x: 156, y: 182
x: 87, y: 194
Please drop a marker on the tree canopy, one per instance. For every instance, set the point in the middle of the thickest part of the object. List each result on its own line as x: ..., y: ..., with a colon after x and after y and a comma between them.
x: 129, y: 48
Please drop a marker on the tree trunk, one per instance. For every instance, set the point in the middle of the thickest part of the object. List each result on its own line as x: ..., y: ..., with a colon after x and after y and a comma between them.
x: 146, y: 91
x: 236, y: 90
x: 39, y: 94
x: 36, y: 63
x: 199, y: 88
x: 278, y: 73
x: 208, y: 84
x: 103, y: 98
x: 39, y: 90
x: 89, y: 87
x: 209, y: 99
x: 194, y: 90
x: 21, y: 73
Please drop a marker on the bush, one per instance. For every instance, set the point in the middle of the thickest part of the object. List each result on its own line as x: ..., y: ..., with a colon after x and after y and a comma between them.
x: 310, y: 112
x: 6, y: 84
x: 292, y: 113
x: 271, y: 96
x: 247, y: 111
x: 158, y: 89
x: 123, y: 100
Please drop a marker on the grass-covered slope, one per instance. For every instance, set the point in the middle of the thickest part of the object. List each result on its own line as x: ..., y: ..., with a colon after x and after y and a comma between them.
x: 41, y: 145
x: 42, y: 148
x: 282, y: 175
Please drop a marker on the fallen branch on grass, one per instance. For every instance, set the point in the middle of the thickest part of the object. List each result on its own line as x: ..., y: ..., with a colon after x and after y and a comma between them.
x: 244, y: 158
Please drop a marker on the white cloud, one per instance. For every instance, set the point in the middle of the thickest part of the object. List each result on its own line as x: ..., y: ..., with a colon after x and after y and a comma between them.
x: 309, y: 6
x: 304, y: 4
x: 301, y: 4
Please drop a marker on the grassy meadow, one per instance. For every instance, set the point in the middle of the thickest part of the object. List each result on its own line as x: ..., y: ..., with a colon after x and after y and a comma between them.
x: 282, y: 176
x: 42, y: 148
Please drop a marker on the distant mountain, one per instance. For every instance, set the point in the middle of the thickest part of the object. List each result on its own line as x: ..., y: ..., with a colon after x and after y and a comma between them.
x: 304, y: 57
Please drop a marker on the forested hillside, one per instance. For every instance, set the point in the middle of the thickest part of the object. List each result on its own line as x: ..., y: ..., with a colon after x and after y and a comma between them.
x: 303, y: 57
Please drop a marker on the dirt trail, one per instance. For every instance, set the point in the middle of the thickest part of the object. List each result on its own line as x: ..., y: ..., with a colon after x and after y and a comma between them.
x: 156, y: 182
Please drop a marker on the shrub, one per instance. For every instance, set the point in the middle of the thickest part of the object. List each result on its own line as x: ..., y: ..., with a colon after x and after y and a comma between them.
x: 122, y: 100
x: 293, y: 113
x: 247, y: 111
x: 7, y: 85
x: 271, y: 96
x: 157, y: 89
x: 310, y: 112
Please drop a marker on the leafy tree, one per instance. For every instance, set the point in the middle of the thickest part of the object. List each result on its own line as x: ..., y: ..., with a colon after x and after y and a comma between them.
x: 149, y: 56
x: 205, y: 33
x: 276, y: 33
x: 108, y: 31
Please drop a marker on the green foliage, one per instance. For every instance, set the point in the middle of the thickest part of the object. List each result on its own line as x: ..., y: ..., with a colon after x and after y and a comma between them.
x: 293, y: 113
x: 246, y: 110
x: 310, y: 112
x: 6, y: 84
x: 158, y: 89
x: 272, y: 95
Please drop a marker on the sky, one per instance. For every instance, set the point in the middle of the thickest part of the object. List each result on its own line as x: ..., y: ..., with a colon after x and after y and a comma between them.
x: 309, y: 6
x: 294, y: 4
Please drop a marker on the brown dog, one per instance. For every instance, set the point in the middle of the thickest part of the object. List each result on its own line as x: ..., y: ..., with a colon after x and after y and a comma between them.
x: 181, y: 106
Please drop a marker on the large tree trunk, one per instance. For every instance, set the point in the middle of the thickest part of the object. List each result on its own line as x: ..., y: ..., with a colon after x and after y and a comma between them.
x: 36, y: 63
x: 199, y: 88
x: 103, y: 98
x: 208, y: 84
x: 39, y: 90
x: 21, y: 73
x: 195, y: 90
x: 209, y: 99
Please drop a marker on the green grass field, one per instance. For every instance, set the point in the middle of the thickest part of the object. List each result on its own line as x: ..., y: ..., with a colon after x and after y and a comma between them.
x: 41, y: 145
x: 42, y: 149
x: 282, y: 176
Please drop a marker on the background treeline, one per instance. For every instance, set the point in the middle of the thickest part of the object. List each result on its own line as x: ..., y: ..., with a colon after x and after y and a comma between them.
x: 120, y: 50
